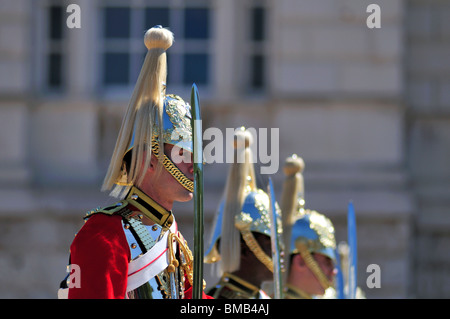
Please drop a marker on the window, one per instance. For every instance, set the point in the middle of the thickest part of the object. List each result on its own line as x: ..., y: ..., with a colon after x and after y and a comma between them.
x: 117, y: 52
x: 122, y: 49
x: 54, y: 56
x: 257, y: 56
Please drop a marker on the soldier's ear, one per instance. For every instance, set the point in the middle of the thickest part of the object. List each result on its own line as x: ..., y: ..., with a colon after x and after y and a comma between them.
x: 299, y: 262
x: 153, y: 162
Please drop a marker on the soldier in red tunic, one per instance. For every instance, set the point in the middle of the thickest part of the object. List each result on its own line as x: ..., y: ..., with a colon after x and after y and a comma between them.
x: 133, y: 249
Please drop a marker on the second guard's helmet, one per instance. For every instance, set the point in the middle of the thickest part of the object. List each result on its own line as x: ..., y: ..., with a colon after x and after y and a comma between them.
x: 245, y: 209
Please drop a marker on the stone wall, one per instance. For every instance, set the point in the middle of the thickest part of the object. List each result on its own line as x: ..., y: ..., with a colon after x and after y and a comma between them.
x: 337, y: 91
x: 428, y: 99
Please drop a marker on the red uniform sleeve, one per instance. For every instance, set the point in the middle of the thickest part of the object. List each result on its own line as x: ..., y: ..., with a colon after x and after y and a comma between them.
x: 188, y: 291
x: 101, y: 252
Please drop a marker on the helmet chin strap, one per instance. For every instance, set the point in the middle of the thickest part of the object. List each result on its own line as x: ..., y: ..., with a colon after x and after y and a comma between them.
x: 312, y: 264
x: 173, y: 169
x: 244, y: 228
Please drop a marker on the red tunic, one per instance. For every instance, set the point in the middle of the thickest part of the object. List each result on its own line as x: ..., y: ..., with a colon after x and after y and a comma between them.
x: 101, y: 251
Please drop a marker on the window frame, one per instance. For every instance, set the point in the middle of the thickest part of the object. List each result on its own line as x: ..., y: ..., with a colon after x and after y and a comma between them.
x: 181, y: 46
x: 44, y: 46
x: 256, y: 48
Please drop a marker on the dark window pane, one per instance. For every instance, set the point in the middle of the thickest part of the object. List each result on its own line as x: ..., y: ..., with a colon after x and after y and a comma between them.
x: 54, y: 75
x: 115, y: 68
x: 117, y: 22
x: 55, y: 24
x: 156, y: 16
x: 258, y: 24
x: 257, y: 71
x: 169, y: 67
x: 137, y: 61
x: 196, y: 23
x: 195, y: 69
x: 174, y: 69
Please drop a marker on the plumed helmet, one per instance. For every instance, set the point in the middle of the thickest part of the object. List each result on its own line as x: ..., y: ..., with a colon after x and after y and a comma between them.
x: 152, y: 119
x: 303, y: 225
x: 306, y: 231
x: 244, y: 209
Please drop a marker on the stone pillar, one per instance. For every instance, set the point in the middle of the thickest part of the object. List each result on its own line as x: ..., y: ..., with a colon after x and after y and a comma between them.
x: 338, y: 89
x: 428, y: 101
x: 225, y: 50
x: 14, y: 83
x: 82, y: 44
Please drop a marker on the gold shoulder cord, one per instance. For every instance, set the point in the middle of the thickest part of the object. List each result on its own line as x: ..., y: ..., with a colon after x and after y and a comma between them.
x: 312, y: 264
x: 187, y: 264
x: 172, y: 169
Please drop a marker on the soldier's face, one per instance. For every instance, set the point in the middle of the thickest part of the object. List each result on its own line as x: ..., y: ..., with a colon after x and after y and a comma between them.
x: 326, y: 265
x: 266, y: 245
x: 160, y: 185
x: 304, y: 278
x: 184, y: 162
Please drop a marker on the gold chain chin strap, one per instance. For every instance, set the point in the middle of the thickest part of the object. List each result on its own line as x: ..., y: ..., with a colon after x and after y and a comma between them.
x: 172, y: 169
x: 256, y: 249
x: 312, y: 264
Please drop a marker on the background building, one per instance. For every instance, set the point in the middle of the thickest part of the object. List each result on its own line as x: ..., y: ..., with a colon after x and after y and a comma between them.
x: 367, y: 109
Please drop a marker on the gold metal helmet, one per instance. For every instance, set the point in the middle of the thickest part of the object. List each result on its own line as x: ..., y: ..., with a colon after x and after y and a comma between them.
x: 315, y: 232
x: 151, y: 120
x: 306, y: 231
x: 244, y: 210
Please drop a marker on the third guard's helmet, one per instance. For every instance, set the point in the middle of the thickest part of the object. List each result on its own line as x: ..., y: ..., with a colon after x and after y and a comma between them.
x: 305, y: 231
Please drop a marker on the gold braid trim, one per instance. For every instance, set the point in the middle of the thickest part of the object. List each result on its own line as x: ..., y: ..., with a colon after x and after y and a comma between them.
x: 188, y: 260
x: 250, y: 287
x: 256, y: 249
x: 233, y: 287
x: 172, y: 169
x: 312, y: 264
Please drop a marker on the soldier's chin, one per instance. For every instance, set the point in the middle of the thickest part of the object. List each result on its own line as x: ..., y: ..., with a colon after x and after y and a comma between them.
x: 187, y: 197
